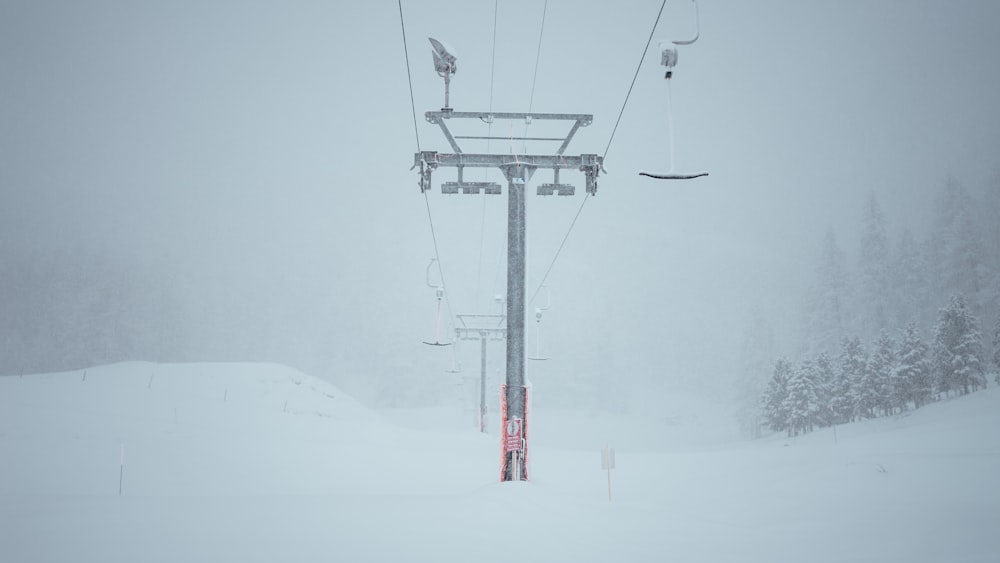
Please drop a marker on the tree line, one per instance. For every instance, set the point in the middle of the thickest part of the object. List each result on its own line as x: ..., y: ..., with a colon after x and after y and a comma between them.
x: 886, y: 377
x: 878, y: 329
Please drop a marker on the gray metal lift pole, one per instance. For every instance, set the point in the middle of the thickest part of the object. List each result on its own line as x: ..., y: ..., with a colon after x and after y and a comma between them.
x: 517, y: 178
x: 490, y: 327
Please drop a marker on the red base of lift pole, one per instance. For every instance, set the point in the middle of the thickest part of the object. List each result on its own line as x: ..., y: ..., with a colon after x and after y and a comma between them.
x: 514, y: 446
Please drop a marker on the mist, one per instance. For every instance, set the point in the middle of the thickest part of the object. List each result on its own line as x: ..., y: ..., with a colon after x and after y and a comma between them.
x: 231, y: 181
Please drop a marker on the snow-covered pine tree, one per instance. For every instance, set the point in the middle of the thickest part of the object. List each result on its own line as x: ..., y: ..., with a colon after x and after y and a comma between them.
x: 756, y: 360
x: 866, y: 390
x: 958, y: 349
x: 996, y: 349
x: 773, y: 401
x: 910, y: 283
x: 873, y: 270
x: 881, y: 366
x: 989, y: 219
x: 914, y: 381
x: 826, y: 387
x: 956, y: 248
x: 801, y: 404
x: 850, y: 371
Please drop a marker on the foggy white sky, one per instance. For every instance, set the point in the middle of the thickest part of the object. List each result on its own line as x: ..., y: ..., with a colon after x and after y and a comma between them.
x: 254, y: 147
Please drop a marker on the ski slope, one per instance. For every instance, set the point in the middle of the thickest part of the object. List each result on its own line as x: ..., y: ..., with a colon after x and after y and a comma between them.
x: 256, y: 462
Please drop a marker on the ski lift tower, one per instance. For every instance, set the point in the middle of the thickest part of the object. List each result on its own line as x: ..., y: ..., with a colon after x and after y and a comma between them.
x: 518, y: 170
x: 481, y: 328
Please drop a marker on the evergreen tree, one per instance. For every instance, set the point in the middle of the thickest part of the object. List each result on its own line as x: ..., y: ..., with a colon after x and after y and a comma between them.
x: 775, y: 413
x: 914, y: 374
x: 826, y: 386
x: 801, y: 404
x: 996, y: 349
x: 826, y: 311
x: 881, y: 366
x: 958, y: 349
x: 909, y: 282
x: 994, y: 354
x: 850, y: 373
x: 873, y: 269
x: 956, y: 249
x: 866, y: 391
x: 756, y: 358
x: 990, y: 220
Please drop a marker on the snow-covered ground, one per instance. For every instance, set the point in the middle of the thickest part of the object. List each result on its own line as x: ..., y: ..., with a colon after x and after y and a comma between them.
x: 251, y: 462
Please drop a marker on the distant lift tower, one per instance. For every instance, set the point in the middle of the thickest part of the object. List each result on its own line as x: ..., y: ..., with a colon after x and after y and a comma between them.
x: 518, y: 170
x: 482, y: 328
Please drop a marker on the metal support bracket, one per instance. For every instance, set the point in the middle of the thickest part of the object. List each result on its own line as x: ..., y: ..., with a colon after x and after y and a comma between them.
x: 490, y: 188
x: 590, y: 164
x: 556, y: 187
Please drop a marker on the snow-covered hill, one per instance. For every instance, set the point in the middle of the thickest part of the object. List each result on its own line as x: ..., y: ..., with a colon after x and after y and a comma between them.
x: 249, y: 462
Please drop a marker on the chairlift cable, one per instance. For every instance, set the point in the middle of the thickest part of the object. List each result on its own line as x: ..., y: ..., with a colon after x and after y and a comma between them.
x: 608, y: 148
x: 534, y: 78
x: 447, y: 298
x: 416, y: 131
x: 637, y: 69
x: 561, y: 245
x: 493, y: 61
x: 489, y: 133
x: 409, y: 77
x: 531, y: 104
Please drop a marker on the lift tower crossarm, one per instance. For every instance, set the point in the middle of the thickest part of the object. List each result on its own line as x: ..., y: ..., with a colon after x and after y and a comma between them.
x: 590, y: 164
x: 433, y: 116
x: 473, y: 160
x: 579, y: 120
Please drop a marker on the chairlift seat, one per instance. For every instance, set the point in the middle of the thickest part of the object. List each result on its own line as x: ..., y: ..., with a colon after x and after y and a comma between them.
x: 557, y: 189
x: 674, y: 175
x: 490, y: 188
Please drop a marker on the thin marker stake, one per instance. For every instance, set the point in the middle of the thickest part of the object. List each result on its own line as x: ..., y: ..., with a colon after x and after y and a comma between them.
x: 121, y: 469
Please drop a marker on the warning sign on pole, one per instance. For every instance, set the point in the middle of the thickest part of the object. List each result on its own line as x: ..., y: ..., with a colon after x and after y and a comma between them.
x: 512, y: 440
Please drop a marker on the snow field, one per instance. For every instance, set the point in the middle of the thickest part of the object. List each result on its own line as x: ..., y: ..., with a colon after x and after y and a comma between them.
x: 218, y: 467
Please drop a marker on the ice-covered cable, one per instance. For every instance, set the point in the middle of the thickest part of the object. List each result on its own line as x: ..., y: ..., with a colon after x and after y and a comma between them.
x: 561, y: 245
x: 437, y: 255
x: 416, y: 130
x: 409, y: 77
x: 489, y: 133
x: 637, y: 68
x: 534, y: 78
